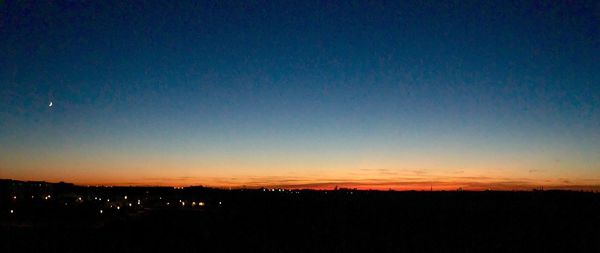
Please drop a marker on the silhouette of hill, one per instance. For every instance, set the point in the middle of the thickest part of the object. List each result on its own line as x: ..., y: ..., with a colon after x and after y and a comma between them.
x: 62, y: 217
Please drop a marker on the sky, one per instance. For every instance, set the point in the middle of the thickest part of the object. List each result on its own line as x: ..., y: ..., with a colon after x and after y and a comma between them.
x: 302, y: 94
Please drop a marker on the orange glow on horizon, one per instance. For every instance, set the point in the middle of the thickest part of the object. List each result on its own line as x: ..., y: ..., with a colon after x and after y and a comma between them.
x: 358, y: 185
x: 364, y: 175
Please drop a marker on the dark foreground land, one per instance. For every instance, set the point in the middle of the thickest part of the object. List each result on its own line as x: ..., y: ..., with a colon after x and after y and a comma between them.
x: 67, y: 218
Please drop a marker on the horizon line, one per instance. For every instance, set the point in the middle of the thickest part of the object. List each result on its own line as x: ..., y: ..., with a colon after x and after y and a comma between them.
x: 329, y: 186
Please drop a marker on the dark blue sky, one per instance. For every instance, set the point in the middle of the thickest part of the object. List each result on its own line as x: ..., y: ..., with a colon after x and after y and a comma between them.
x: 229, y: 80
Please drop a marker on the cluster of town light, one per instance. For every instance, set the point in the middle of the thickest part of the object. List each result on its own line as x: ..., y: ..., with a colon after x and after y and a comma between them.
x: 280, y: 190
x: 46, y: 197
x: 183, y: 203
x: 118, y: 207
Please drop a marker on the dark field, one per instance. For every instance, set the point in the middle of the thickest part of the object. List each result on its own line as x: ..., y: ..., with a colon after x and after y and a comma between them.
x: 209, y: 220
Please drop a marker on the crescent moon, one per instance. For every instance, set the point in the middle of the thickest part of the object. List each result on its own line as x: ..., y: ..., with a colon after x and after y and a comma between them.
x: 50, y: 105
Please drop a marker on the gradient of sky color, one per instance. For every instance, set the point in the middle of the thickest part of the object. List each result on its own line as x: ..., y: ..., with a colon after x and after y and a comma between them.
x: 369, y: 94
